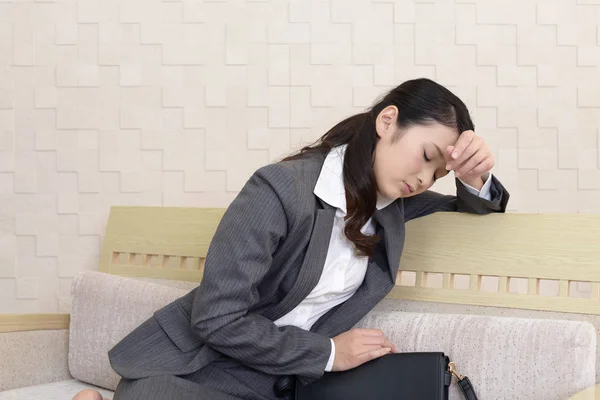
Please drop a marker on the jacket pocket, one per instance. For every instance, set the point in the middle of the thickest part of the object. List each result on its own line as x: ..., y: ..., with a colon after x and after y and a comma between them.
x: 176, y: 324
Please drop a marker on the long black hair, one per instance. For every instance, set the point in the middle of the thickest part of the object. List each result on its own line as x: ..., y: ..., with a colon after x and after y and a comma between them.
x: 419, y: 102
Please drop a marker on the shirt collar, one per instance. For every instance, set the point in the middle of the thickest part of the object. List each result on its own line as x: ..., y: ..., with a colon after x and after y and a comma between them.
x: 330, y: 184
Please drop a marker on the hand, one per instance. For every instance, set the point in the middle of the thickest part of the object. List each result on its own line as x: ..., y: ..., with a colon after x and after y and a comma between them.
x: 357, y: 346
x: 470, y: 158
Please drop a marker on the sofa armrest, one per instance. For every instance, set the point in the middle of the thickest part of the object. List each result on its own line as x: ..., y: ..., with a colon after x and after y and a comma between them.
x: 505, y: 358
x: 33, y: 322
x: 34, y: 349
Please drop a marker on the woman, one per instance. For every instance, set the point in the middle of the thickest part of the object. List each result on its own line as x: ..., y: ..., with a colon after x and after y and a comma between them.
x: 309, y: 246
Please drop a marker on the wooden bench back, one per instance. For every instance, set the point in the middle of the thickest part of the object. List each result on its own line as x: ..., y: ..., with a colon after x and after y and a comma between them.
x: 158, y: 242
x: 500, y: 260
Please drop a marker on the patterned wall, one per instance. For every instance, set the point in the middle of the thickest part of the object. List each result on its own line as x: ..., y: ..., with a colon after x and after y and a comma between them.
x: 148, y: 102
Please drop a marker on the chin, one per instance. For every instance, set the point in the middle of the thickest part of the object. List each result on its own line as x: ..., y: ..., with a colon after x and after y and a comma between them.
x: 405, y: 195
x: 396, y: 195
x: 393, y: 193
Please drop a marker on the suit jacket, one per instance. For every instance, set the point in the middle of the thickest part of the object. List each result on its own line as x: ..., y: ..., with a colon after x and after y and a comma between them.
x: 266, y: 256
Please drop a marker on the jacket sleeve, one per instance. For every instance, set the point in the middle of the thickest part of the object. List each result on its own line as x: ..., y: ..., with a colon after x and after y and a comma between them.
x: 240, y: 254
x: 430, y: 202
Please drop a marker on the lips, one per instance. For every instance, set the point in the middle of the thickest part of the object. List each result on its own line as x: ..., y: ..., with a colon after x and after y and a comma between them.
x: 408, y: 188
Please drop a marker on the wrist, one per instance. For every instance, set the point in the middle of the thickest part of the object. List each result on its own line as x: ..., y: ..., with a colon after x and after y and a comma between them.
x: 476, y: 183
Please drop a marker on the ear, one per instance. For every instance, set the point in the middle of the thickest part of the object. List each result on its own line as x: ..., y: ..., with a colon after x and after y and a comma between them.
x: 385, y: 123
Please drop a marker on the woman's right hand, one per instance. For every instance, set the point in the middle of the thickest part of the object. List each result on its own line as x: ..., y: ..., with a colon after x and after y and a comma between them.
x: 357, y: 346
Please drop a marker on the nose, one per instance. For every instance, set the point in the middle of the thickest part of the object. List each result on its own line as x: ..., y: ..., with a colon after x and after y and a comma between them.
x: 423, y: 182
x: 426, y: 177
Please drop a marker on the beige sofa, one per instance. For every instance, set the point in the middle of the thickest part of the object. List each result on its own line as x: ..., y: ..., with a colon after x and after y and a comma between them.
x: 513, y: 344
x: 506, y: 358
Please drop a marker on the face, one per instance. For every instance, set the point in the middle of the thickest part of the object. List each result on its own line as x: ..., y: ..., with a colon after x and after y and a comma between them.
x: 410, y: 163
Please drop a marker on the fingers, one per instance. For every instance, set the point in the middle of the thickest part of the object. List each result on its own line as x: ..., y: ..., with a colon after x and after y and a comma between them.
x: 479, y: 166
x: 463, y: 154
x: 392, y: 346
x: 380, y: 342
x: 463, y: 142
x: 469, y: 156
x: 375, y: 337
x: 369, y: 348
x: 371, y: 355
x: 482, y: 168
x: 357, y: 346
x: 472, y: 162
x: 370, y: 332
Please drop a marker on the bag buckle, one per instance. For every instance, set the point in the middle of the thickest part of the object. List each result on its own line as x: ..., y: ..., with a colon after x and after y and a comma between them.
x: 453, y: 371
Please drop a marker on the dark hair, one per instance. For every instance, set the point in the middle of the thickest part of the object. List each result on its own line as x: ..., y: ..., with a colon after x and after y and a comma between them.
x: 419, y: 102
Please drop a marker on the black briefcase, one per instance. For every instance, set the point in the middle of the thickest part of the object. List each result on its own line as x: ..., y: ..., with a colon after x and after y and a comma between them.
x: 399, y: 376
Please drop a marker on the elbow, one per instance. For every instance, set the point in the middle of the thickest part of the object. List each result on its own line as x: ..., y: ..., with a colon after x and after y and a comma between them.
x: 212, y: 330
x: 204, y: 322
x: 203, y: 329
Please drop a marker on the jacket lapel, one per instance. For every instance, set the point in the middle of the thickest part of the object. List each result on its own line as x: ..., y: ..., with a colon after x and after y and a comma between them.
x: 379, y: 279
x: 391, y: 220
x: 312, y: 265
x: 373, y: 289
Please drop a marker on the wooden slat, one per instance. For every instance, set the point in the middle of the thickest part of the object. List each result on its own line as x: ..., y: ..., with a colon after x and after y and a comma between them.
x: 421, y: 279
x: 447, y: 281
x: 563, y: 288
x: 475, y: 283
x: 172, y: 231
x: 503, y: 284
x: 595, y: 291
x: 533, y: 286
x: 506, y: 300
x: 33, y: 322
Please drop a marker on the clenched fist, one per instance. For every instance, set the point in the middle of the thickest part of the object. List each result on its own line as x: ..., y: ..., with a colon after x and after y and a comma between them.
x: 357, y: 346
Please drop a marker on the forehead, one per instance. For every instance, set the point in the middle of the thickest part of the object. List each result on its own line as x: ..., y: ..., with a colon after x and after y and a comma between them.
x: 439, y: 134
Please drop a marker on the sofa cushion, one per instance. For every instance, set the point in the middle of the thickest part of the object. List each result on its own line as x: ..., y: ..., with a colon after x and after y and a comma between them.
x: 505, y: 358
x: 62, y: 390
x: 105, y: 309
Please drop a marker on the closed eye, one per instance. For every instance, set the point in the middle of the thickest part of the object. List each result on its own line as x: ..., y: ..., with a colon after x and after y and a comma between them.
x: 427, y: 159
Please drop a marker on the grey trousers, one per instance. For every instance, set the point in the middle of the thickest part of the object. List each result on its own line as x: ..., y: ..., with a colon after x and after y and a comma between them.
x: 165, y: 387
x: 222, y: 380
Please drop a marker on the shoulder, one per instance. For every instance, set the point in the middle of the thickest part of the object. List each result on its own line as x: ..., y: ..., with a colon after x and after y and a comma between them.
x: 292, y: 182
x: 296, y: 177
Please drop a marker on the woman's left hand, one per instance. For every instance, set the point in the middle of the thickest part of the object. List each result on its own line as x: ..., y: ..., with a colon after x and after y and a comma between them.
x: 470, y: 158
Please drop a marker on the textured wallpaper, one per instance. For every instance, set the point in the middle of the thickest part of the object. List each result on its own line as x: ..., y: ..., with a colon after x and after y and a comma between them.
x: 147, y: 102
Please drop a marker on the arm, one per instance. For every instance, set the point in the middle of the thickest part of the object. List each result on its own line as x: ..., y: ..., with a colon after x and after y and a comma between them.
x: 466, y: 200
x: 477, y: 191
x: 240, y: 254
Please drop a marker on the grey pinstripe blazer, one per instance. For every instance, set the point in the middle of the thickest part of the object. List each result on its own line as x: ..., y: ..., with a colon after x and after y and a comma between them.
x: 265, y: 258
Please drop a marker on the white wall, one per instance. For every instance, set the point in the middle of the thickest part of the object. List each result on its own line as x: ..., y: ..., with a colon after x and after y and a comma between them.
x: 146, y: 102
